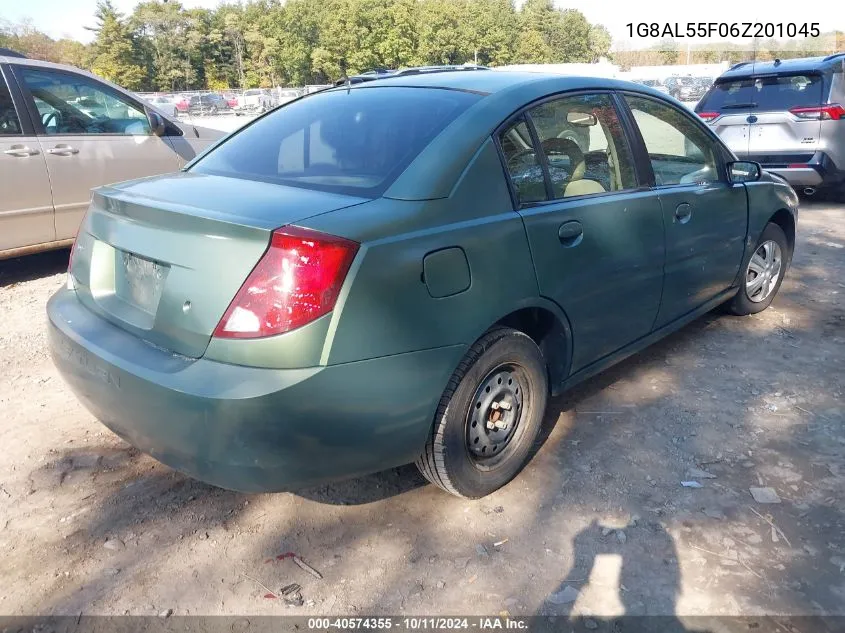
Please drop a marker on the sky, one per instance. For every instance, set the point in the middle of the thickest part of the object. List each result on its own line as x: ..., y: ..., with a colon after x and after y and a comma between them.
x: 69, y: 17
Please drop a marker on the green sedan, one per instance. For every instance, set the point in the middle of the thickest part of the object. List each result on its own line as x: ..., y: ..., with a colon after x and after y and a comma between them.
x: 404, y: 270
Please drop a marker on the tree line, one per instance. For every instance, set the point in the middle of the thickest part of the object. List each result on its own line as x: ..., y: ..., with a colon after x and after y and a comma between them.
x: 162, y: 46
x: 261, y: 43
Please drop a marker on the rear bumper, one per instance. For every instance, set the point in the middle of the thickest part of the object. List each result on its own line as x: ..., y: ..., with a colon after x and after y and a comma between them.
x: 818, y: 171
x: 244, y: 428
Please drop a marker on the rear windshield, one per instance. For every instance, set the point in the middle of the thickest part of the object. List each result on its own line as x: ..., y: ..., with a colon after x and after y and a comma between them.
x: 766, y: 94
x: 355, y: 141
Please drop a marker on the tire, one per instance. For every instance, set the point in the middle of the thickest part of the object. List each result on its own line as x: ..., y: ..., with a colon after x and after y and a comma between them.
x: 744, y: 303
x: 501, y: 355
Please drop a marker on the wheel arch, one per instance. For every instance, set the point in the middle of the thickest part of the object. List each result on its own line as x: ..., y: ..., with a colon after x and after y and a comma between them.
x: 548, y: 326
x: 786, y: 221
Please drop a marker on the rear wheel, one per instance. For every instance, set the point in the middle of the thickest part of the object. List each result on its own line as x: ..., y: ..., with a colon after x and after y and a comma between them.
x: 488, y: 417
x: 764, y: 273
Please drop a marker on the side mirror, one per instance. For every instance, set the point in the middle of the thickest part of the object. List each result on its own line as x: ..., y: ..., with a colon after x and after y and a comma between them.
x: 157, y: 125
x: 744, y: 171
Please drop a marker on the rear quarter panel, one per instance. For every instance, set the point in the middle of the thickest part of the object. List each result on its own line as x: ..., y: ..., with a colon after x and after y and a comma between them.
x: 386, y: 307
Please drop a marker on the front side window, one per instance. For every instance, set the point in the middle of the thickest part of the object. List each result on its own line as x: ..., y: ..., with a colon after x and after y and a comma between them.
x: 349, y: 141
x: 9, y: 122
x: 584, y: 145
x: 72, y: 104
x: 679, y: 151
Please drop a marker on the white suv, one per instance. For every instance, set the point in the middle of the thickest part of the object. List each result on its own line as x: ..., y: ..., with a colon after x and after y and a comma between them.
x: 788, y: 115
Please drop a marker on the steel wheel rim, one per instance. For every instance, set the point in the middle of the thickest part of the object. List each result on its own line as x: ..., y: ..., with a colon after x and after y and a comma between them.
x: 494, y: 416
x: 763, y: 271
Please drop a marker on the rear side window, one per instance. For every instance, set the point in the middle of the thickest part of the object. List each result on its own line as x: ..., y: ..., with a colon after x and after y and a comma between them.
x: 9, y: 123
x: 584, y: 145
x: 522, y: 163
x: 766, y: 94
x: 354, y: 141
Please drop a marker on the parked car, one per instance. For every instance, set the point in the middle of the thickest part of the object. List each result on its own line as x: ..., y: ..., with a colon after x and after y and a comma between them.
x: 312, y: 88
x: 208, y: 103
x: 406, y: 269
x: 788, y: 115
x: 182, y: 103
x: 165, y: 103
x: 654, y: 83
x: 287, y: 94
x: 681, y: 88
x: 64, y: 131
x: 255, y: 100
x: 231, y: 99
x: 700, y: 86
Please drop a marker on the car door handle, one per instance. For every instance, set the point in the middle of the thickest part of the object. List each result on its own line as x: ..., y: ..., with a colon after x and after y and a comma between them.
x: 683, y: 213
x: 20, y: 151
x: 63, y: 150
x: 570, y: 233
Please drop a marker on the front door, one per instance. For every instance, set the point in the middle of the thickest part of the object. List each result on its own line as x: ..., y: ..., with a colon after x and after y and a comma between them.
x: 90, y: 135
x: 595, y: 235
x: 26, y: 204
x: 706, y: 216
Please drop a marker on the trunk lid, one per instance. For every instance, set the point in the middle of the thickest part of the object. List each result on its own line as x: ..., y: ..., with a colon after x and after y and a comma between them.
x: 732, y: 128
x: 163, y: 257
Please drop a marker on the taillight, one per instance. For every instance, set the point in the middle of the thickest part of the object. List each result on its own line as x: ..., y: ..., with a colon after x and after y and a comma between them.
x: 296, y: 281
x: 828, y: 112
x: 708, y: 116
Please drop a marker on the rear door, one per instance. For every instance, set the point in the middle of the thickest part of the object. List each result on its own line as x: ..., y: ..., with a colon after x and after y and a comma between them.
x: 705, y: 216
x: 596, y: 236
x: 90, y: 135
x: 26, y: 203
x: 780, y: 133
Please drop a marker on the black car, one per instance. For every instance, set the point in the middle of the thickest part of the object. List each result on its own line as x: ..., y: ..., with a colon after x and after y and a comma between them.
x: 681, y: 88
x: 700, y: 86
x: 210, y: 103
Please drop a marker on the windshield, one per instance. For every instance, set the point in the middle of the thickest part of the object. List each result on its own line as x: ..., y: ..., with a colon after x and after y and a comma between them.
x: 772, y: 93
x: 354, y: 141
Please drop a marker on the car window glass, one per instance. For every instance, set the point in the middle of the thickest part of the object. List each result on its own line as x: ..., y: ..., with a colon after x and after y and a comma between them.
x: 765, y: 94
x: 350, y: 141
x: 9, y: 122
x: 679, y: 151
x: 522, y: 163
x: 72, y: 104
x: 584, y: 144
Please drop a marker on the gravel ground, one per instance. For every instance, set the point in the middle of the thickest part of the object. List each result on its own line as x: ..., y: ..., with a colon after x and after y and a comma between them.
x: 598, y: 523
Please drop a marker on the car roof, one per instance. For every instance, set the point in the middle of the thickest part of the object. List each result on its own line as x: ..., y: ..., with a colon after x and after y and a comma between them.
x: 784, y: 66
x: 488, y: 82
x: 432, y: 173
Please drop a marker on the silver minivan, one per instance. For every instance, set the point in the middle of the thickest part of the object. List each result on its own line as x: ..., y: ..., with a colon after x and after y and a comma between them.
x: 64, y: 131
x: 788, y: 115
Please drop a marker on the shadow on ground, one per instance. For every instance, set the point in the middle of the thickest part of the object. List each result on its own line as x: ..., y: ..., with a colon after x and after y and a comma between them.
x: 23, y: 269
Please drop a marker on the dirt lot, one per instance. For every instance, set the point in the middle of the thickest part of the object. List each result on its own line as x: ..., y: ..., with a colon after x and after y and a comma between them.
x: 599, y: 517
